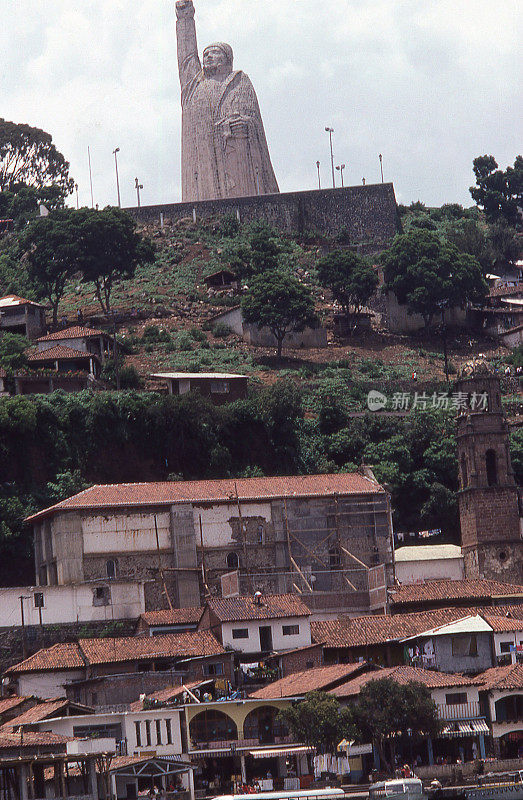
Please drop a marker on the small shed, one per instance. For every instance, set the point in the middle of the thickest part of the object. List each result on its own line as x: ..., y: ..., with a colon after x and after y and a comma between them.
x: 219, y: 387
x: 222, y: 279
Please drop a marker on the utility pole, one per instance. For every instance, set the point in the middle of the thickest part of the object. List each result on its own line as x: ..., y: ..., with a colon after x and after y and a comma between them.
x: 330, y: 131
x: 340, y: 169
x: 319, y: 178
x: 90, y: 175
x: 115, y: 356
x: 381, y: 166
x: 77, y: 201
x: 138, y: 186
x: 23, y: 597
x: 117, y: 150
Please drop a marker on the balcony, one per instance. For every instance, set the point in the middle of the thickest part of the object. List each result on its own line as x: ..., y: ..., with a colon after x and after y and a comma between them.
x: 240, y: 744
x: 459, y: 711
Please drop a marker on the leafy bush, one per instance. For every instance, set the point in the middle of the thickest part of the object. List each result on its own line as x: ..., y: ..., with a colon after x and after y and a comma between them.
x: 197, y: 334
x: 154, y: 334
x: 221, y: 330
x: 184, y: 340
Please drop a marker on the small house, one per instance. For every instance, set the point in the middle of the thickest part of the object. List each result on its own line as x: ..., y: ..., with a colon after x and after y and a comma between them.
x: 219, y: 387
x: 18, y: 315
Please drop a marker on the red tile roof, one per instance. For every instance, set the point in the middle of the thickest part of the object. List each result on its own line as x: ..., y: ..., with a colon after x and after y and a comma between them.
x: 449, y: 590
x: 310, y: 680
x: 59, y: 656
x: 14, y: 300
x: 75, y: 332
x: 403, y: 675
x: 378, y: 628
x: 43, y: 711
x: 503, y: 678
x: 192, y: 644
x: 271, y: 606
x: 31, y: 739
x: 218, y: 491
x: 58, y: 352
x: 178, y: 616
x: 7, y: 703
x: 170, y: 645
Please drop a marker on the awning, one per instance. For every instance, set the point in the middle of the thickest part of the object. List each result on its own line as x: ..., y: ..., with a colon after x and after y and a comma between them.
x: 272, y: 752
x: 471, y: 727
x: 217, y: 753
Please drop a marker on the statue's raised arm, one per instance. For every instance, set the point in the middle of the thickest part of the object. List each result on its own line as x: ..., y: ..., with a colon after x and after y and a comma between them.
x: 188, y: 60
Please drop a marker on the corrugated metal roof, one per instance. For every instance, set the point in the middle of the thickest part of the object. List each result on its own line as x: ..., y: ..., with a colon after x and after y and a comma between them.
x: 474, y: 624
x: 427, y: 552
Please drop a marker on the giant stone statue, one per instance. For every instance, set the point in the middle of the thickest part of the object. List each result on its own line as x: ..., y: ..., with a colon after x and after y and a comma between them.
x: 224, y: 149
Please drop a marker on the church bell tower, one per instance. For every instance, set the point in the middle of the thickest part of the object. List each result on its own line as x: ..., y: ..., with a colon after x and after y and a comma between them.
x: 489, y: 501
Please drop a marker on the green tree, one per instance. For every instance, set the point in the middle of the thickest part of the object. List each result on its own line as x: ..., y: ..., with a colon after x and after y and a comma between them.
x: 499, y: 193
x: 256, y: 248
x: 28, y: 156
x: 111, y: 250
x: 385, y: 708
x: 319, y: 721
x: 279, y: 302
x: 13, y: 351
x: 53, y: 252
x: 351, y: 279
x: 429, y: 276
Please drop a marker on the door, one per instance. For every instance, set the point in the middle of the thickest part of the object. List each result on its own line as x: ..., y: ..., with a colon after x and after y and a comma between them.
x: 266, y: 638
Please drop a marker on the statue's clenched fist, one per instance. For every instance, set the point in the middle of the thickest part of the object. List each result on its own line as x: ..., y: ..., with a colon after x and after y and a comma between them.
x: 184, y: 8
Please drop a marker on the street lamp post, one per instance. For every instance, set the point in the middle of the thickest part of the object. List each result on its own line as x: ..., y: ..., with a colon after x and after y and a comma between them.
x: 340, y: 169
x: 117, y: 150
x: 381, y: 167
x: 330, y: 131
x: 138, y: 186
x: 319, y: 178
x: 77, y: 201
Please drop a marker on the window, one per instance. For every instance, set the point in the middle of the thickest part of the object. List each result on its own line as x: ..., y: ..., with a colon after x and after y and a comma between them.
x: 219, y: 387
x: 291, y: 630
x: 240, y: 633
x: 110, y: 567
x: 504, y: 647
x: 261, y: 534
x: 233, y: 561
x: 456, y: 698
x: 169, y: 732
x: 158, y: 731
x: 212, y: 726
x: 465, y: 645
x: 464, y: 472
x: 39, y: 599
x: 138, y: 734
x: 101, y: 596
x: 213, y: 669
x: 148, y: 732
x: 334, y: 557
x: 98, y: 731
x: 491, y: 466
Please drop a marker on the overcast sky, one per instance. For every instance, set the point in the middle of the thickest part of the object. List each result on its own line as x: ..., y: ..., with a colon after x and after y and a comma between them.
x: 430, y: 84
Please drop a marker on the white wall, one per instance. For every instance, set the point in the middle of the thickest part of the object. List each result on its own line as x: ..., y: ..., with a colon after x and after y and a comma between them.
x: 413, y: 571
x: 127, y: 719
x: 279, y: 641
x: 71, y: 603
x: 216, y: 528
x: 514, y: 638
x: 47, y: 685
x: 125, y: 532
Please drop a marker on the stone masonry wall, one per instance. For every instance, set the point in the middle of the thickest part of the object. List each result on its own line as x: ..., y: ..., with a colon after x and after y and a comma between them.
x: 368, y: 213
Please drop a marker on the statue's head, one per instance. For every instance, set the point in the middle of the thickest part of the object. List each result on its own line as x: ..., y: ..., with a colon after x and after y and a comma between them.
x: 217, y: 59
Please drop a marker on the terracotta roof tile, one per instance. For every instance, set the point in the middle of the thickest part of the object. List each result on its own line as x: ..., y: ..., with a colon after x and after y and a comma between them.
x: 178, y: 616
x: 7, y: 703
x: 14, y: 300
x: 58, y: 352
x: 403, y: 675
x: 154, y: 494
x: 171, y: 645
x: 40, y: 712
x: 443, y: 590
x: 234, y: 609
x: 310, y: 680
x: 31, y: 739
x: 192, y: 644
x: 503, y: 678
x: 59, y: 656
x: 75, y: 332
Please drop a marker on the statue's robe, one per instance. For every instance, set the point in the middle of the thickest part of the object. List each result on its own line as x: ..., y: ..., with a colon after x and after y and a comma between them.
x: 217, y: 163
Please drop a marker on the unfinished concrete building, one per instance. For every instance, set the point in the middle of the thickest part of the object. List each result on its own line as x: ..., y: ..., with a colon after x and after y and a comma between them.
x: 327, y: 537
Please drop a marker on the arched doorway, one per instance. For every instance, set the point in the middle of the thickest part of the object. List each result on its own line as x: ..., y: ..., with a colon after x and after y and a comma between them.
x: 212, y: 726
x: 261, y: 724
